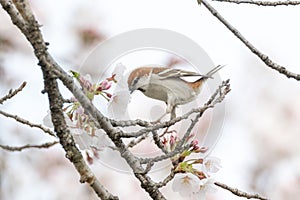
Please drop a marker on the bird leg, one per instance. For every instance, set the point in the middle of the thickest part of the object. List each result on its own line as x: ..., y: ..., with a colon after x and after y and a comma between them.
x: 173, y: 113
x: 170, y: 110
x: 159, y: 119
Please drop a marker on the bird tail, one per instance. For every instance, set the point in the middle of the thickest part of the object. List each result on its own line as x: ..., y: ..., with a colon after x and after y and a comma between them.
x: 213, y: 71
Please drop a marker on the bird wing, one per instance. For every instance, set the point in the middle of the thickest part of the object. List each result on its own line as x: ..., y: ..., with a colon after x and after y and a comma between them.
x: 176, y: 73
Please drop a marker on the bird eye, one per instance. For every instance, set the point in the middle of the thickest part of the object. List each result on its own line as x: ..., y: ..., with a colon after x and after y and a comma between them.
x: 135, y: 81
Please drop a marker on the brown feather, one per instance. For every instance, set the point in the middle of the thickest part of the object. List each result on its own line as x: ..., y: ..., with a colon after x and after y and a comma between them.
x: 195, y: 85
x: 142, y: 71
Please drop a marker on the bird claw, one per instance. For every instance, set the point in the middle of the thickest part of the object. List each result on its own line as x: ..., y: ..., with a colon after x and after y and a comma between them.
x: 156, y: 122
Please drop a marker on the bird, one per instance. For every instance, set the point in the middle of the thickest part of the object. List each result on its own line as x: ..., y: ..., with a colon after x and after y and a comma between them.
x: 167, y: 85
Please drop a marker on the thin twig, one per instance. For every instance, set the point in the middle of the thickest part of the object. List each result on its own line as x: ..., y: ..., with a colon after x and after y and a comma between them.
x: 29, y: 146
x: 12, y: 93
x: 137, y: 122
x: 158, y: 142
x: 254, y: 50
x: 148, y: 167
x: 134, y: 142
x: 167, y: 179
x: 240, y: 193
x: 262, y: 3
x: 168, y: 155
x: 28, y: 123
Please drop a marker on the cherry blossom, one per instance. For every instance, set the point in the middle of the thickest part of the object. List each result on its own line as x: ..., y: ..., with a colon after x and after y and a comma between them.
x: 48, y: 122
x: 118, y: 104
x: 118, y: 72
x: 211, y: 164
x: 186, y: 184
x: 119, y: 101
x: 206, y: 186
x: 86, y: 141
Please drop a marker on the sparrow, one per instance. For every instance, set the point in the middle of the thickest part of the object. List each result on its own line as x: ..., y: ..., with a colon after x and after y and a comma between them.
x: 167, y: 84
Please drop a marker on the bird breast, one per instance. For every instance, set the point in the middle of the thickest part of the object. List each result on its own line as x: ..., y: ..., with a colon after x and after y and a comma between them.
x: 172, y: 90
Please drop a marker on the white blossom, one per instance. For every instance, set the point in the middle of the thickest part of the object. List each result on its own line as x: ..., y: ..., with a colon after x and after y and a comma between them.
x: 48, y: 122
x: 186, y: 184
x: 101, y: 140
x: 117, y: 106
x: 118, y: 103
x: 206, y: 186
x: 119, y: 71
x: 211, y: 165
x: 85, y: 141
x: 81, y: 137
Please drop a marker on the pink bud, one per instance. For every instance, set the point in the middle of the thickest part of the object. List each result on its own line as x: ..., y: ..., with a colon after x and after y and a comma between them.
x: 172, y: 140
x: 85, y: 83
x: 195, y: 142
x: 105, y: 85
x: 194, y: 145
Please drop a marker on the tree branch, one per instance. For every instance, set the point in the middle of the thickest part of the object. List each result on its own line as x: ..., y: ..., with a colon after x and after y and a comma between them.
x: 23, y: 18
x: 262, y: 3
x: 126, y: 123
x: 252, y: 48
x: 51, y: 70
x: 240, y: 193
x: 12, y: 93
x: 26, y: 122
x: 136, y: 141
x: 26, y: 22
x: 158, y: 143
x: 28, y: 146
x: 167, y: 179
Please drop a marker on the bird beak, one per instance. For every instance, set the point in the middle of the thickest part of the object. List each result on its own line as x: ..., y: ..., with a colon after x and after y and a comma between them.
x: 131, y: 90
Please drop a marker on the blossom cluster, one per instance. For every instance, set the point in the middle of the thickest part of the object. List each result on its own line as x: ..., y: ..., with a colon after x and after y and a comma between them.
x: 193, y: 176
x: 87, y: 136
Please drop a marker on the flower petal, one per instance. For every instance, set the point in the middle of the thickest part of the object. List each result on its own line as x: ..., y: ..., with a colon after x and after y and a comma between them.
x: 186, y: 184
